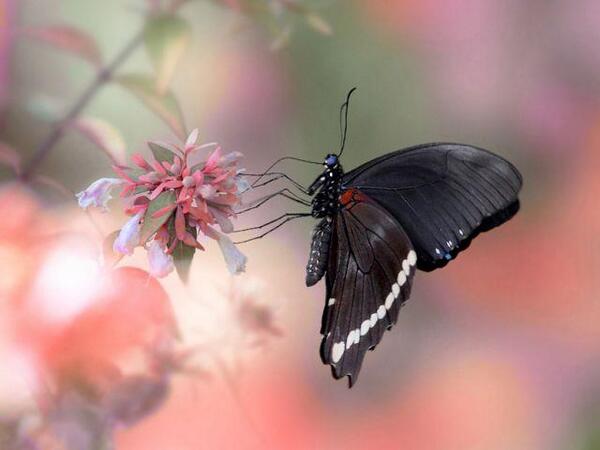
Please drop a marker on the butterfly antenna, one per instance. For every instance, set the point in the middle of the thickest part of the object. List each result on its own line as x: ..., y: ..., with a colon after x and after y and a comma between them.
x: 344, y: 121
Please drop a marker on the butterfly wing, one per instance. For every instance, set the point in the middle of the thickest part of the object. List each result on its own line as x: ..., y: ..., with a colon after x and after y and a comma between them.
x: 443, y: 195
x: 369, y: 275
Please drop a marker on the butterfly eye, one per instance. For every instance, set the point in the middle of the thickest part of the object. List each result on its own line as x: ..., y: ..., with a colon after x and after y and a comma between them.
x: 331, y: 160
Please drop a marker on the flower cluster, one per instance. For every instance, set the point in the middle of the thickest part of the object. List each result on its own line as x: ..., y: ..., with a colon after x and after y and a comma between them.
x: 173, y: 197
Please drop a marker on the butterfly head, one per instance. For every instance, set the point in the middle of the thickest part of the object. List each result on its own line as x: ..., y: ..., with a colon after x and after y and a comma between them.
x: 331, y: 161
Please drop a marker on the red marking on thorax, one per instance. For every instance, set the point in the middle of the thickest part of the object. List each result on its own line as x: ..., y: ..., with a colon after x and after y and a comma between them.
x: 352, y: 195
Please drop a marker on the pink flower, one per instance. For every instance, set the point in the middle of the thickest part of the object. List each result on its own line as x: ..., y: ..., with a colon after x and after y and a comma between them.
x: 129, y: 237
x: 178, y: 194
x: 161, y: 263
x: 98, y: 193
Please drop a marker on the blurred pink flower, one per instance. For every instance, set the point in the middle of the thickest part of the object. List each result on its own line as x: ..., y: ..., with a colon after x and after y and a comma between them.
x: 255, y: 317
x: 258, y: 319
x: 136, y: 397
x: 85, y: 339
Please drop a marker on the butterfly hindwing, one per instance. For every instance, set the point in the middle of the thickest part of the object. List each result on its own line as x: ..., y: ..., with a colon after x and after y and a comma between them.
x: 443, y: 195
x: 369, y: 275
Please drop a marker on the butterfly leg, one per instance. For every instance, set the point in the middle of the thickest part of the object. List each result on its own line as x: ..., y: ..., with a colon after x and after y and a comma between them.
x: 288, y: 217
x: 271, y: 222
x: 276, y: 176
x: 286, y: 193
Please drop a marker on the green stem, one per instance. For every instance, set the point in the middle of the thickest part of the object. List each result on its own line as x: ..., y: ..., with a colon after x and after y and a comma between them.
x: 103, y: 76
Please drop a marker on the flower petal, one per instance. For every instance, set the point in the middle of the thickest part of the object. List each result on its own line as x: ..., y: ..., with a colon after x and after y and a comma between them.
x: 180, y: 224
x: 161, y: 264
x: 213, y: 160
x: 242, y: 184
x: 129, y: 237
x: 191, y: 140
x: 235, y: 260
x: 222, y: 219
x: 230, y: 159
x: 98, y: 193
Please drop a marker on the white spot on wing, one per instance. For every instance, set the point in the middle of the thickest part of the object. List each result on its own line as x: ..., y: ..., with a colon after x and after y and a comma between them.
x: 350, y: 340
x: 337, y: 351
x: 401, y: 278
x: 395, y: 290
x: 365, y: 327
x: 412, y: 257
x: 381, y: 312
x: 353, y: 338
x: 331, y: 301
x: 373, y: 319
x: 389, y: 300
x: 406, y: 267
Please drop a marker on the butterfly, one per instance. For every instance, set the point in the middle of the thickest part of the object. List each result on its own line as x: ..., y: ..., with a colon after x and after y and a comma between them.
x: 412, y: 209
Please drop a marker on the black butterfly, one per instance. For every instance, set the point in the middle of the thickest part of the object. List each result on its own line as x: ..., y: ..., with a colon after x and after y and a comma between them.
x: 415, y: 208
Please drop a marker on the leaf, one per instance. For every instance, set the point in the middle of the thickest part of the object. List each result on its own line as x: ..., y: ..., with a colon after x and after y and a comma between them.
x: 46, y: 108
x: 51, y: 183
x: 165, y: 106
x: 166, y: 38
x: 69, y: 39
x: 282, y: 39
x: 104, y: 135
x: 161, y: 153
x: 152, y: 224
x: 182, y: 257
x: 108, y: 254
x: 318, y: 24
x: 10, y: 158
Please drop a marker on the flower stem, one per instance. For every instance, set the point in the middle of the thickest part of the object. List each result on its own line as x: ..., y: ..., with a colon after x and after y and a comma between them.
x: 103, y: 76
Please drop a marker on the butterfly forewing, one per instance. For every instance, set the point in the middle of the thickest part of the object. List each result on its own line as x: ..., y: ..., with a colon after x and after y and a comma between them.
x: 443, y: 195
x: 369, y: 275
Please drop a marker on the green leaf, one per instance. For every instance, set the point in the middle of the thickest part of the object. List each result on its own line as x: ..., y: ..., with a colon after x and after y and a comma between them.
x: 182, y: 258
x: 152, y: 224
x: 103, y: 135
x: 161, y: 153
x: 165, y: 105
x: 45, y: 108
x: 69, y: 39
x: 166, y: 37
x: 318, y: 24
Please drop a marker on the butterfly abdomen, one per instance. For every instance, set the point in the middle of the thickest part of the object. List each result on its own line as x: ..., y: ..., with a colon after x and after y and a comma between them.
x: 319, y: 252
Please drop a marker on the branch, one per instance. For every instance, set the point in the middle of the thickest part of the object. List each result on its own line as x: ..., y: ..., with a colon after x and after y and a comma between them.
x: 103, y: 76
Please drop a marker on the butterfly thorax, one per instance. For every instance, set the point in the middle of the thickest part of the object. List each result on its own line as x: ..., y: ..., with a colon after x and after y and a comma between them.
x: 327, y: 189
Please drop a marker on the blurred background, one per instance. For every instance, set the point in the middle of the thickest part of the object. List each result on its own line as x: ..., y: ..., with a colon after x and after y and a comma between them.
x: 500, y: 350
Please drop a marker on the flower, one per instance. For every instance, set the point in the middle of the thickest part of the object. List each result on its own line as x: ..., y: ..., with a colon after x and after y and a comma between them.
x: 129, y: 237
x: 98, y: 193
x: 173, y: 197
x: 161, y: 263
x: 178, y: 194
